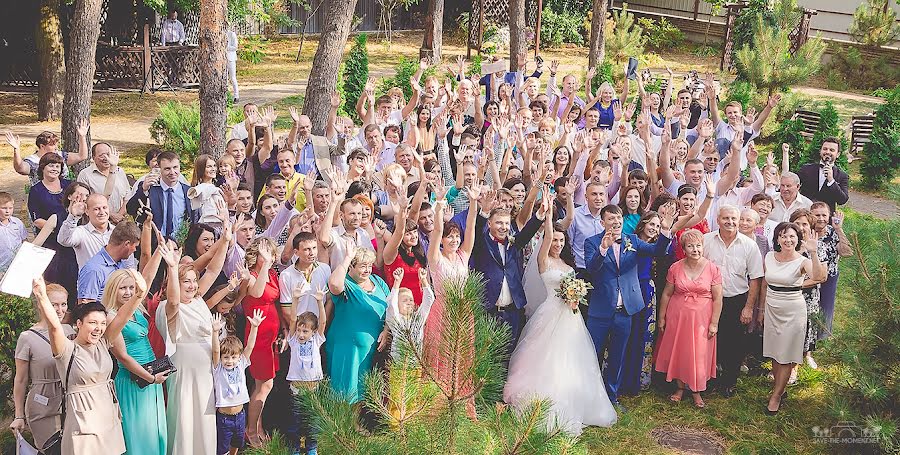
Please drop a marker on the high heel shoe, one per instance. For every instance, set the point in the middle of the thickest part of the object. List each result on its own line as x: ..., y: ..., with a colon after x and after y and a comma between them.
x: 677, y: 396
x: 698, y: 400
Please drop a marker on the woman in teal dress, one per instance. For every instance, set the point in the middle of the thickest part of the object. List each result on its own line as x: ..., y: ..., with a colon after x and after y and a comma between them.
x: 357, y: 328
x: 143, y: 410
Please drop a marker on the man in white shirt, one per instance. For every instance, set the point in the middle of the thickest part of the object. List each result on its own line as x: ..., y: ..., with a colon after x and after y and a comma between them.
x: 740, y: 264
x: 231, y: 48
x: 172, y: 30
x: 87, y: 239
x: 239, y: 131
x: 104, y: 176
x: 789, y: 198
x: 334, y: 241
x: 307, y: 274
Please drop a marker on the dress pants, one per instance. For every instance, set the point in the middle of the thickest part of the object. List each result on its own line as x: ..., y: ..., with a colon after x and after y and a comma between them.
x: 610, y: 335
x: 732, y: 340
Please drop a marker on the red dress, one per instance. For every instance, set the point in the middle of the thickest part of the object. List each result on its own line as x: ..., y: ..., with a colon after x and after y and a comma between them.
x: 702, y: 226
x: 410, y: 276
x: 263, y: 360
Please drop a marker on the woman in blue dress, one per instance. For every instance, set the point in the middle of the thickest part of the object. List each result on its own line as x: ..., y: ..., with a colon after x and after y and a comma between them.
x: 357, y: 327
x: 637, y: 365
x: 143, y: 409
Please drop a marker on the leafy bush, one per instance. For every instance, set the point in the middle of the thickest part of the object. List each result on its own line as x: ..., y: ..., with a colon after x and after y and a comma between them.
x: 252, y: 49
x: 661, y: 34
x: 561, y: 28
x: 177, y: 127
x: 355, y: 72
x: 705, y: 51
x: 567, y: 6
x: 849, y: 68
x: 882, y: 153
x: 865, y: 387
x: 625, y: 39
x: 873, y: 23
x: 406, y: 68
x: 18, y: 315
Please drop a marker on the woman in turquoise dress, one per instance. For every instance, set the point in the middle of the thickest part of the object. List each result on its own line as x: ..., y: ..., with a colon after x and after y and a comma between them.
x: 357, y: 328
x: 143, y: 409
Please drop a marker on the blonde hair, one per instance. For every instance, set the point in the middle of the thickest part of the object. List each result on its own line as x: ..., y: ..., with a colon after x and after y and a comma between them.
x: 362, y: 255
x: 398, y: 92
x: 113, y: 282
x: 227, y: 159
x: 606, y: 86
x: 253, y: 248
x: 547, y: 122
x: 404, y: 292
x: 690, y: 235
x: 231, y: 345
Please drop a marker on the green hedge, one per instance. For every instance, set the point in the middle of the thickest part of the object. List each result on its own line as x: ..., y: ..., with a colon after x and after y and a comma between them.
x: 18, y: 316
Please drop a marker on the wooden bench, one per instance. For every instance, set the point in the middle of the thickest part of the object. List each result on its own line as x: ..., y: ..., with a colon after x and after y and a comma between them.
x: 810, y: 122
x: 860, y: 131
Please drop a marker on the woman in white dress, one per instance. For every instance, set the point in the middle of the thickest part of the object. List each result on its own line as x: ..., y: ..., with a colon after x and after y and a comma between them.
x: 555, y: 359
x: 185, y: 324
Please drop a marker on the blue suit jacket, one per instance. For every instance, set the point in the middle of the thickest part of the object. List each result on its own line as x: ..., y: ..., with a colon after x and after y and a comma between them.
x: 487, y: 260
x: 157, y: 205
x: 609, y: 278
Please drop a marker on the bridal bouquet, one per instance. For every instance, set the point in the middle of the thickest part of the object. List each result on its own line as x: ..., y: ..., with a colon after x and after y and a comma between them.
x: 573, y: 291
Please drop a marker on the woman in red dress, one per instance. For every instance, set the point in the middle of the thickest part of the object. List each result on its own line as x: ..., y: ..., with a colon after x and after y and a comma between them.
x: 403, y: 251
x: 261, y: 289
x: 689, y: 215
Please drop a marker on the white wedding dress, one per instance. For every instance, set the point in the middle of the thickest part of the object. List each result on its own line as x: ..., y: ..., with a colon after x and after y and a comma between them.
x: 555, y: 360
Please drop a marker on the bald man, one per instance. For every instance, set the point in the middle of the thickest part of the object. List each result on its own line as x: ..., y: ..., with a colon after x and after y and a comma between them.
x: 313, y: 153
x: 89, y: 238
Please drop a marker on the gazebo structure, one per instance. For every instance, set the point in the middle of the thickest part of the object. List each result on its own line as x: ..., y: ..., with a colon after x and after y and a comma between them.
x: 129, y: 55
x: 485, y: 12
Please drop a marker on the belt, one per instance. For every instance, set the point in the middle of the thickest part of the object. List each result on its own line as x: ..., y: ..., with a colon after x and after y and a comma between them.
x: 785, y: 289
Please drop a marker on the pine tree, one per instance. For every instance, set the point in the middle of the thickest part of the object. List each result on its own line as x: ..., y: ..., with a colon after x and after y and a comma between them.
x: 882, y: 152
x: 421, y: 412
x: 829, y: 126
x: 355, y: 73
x: 626, y: 38
x: 769, y: 63
x: 873, y: 24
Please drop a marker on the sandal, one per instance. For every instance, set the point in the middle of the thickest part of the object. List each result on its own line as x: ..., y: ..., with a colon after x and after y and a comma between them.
x: 677, y: 396
x: 698, y: 400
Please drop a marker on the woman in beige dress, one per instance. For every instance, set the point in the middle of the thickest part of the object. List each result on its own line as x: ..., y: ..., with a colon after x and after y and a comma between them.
x: 37, y: 391
x: 185, y: 324
x: 784, y: 325
x: 92, y: 421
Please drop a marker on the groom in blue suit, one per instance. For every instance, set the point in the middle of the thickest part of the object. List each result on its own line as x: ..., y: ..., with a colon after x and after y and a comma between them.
x: 610, y: 258
x: 498, y: 255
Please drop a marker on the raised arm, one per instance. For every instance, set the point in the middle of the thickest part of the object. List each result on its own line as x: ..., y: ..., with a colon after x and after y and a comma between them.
x: 18, y: 164
x: 58, y: 338
x: 46, y: 230
x: 474, y: 192
x: 75, y: 158
x: 114, y: 327
x: 336, y: 282
x: 254, y: 322
x: 434, y: 238
x: 710, y: 91
x: 391, y: 248
x: 544, y: 251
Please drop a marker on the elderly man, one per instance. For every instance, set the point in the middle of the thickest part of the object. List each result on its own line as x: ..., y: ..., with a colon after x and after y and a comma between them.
x: 117, y: 254
x: 314, y: 153
x: 738, y: 258
x: 789, y: 198
x: 90, y: 238
x: 104, y: 176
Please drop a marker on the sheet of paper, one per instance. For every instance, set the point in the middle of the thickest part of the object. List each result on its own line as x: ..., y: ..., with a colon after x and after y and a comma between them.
x: 29, y: 263
x: 490, y: 68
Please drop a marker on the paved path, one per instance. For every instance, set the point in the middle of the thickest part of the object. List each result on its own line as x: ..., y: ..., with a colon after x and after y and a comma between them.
x: 876, y: 206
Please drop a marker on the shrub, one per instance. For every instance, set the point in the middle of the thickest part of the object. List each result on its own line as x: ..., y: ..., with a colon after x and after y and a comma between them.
x: 604, y: 74
x: 561, y: 28
x: 829, y: 126
x: 625, y: 39
x: 177, y: 127
x: 849, y: 68
x: 406, y: 68
x: 661, y: 34
x: 355, y: 72
x: 865, y: 387
x: 567, y: 6
x: 18, y: 315
x: 873, y: 23
x: 882, y: 153
x: 252, y: 49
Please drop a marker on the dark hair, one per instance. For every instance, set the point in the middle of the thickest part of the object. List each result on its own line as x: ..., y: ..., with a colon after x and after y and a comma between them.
x: 49, y: 158
x: 70, y: 190
x: 783, y: 226
x: 358, y: 187
x: 641, y: 204
x: 272, y: 177
x: 833, y: 140
x: 126, y: 231
x: 509, y: 183
x: 152, y: 153
x: 567, y: 255
x: 450, y: 226
x: 96, y: 144
x: 79, y: 312
x: 685, y: 189
x: 660, y: 200
x: 308, y: 318
x: 819, y: 205
x: 190, y: 242
x: 645, y: 218
x: 302, y: 237
x: 801, y: 213
x: 430, y: 116
x: 610, y: 208
x: 489, y: 103
x: 412, y: 254
x: 539, y: 104
x: 45, y: 138
x: 260, y: 218
x: 167, y: 156
x: 762, y: 197
x: 693, y: 161
x: 391, y: 128
x: 556, y: 152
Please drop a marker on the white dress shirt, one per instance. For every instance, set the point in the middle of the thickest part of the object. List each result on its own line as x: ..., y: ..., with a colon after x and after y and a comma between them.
x: 738, y: 261
x: 172, y: 32
x: 86, y: 239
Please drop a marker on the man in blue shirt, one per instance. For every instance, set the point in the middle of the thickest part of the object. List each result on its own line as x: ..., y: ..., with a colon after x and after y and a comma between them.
x: 117, y: 254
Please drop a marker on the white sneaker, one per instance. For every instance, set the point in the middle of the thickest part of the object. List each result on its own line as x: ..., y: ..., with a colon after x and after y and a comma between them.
x: 811, y: 362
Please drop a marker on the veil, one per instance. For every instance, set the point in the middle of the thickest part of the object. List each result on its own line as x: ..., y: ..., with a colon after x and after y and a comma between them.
x: 533, y: 284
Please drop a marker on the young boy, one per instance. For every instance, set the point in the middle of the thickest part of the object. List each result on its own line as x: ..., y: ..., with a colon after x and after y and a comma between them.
x: 230, y: 383
x: 307, y: 335
x: 12, y: 231
x: 402, y: 317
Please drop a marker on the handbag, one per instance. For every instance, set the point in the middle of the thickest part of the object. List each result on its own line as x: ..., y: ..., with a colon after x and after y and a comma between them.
x: 155, y: 367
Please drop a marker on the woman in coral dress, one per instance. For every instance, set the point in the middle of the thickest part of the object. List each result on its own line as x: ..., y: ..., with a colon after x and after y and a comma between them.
x: 688, y: 321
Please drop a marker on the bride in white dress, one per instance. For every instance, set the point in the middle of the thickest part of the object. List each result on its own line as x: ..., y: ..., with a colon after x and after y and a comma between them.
x: 555, y: 359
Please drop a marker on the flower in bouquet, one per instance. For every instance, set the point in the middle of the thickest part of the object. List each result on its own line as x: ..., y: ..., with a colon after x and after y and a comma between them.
x: 573, y: 291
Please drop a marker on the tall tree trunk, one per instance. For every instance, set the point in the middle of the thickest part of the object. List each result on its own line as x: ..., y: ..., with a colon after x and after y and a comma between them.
x: 81, y: 65
x: 323, y: 81
x: 597, y: 52
x: 213, y: 87
x: 48, y: 39
x: 431, y: 44
x: 517, y: 43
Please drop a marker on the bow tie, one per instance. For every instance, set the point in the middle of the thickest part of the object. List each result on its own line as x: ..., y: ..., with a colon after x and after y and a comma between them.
x: 500, y: 241
x: 619, y: 241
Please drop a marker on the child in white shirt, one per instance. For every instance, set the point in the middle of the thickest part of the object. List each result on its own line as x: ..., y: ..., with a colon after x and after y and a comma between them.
x: 230, y: 383
x: 12, y: 231
x: 402, y: 317
x: 307, y: 335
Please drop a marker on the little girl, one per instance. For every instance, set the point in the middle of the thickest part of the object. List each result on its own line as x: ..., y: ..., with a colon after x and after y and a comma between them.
x: 223, y: 299
x: 307, y: 335
x: 402, y: 317
x: 230, y: 383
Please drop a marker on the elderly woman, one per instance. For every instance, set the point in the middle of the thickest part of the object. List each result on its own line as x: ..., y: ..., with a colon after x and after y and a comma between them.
x: 92, y: 423
x: 261, y: 289
x: 357, y: 327
x: 689, y: 311
x: 784, y: 327
x: 37, y: 391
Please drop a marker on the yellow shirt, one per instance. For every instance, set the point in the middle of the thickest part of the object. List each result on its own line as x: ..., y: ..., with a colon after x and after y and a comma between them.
x: 292, y: 183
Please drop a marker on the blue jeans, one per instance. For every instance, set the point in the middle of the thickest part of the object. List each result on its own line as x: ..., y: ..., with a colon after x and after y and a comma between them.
x: 299, y: 430
x: 230, y: 430
x: 610, y: 336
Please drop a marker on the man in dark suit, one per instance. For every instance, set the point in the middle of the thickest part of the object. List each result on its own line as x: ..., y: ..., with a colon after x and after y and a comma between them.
x: 168, y: 201
x: 823, y: 181
x: 498, y: 255
x: 611, y: 259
